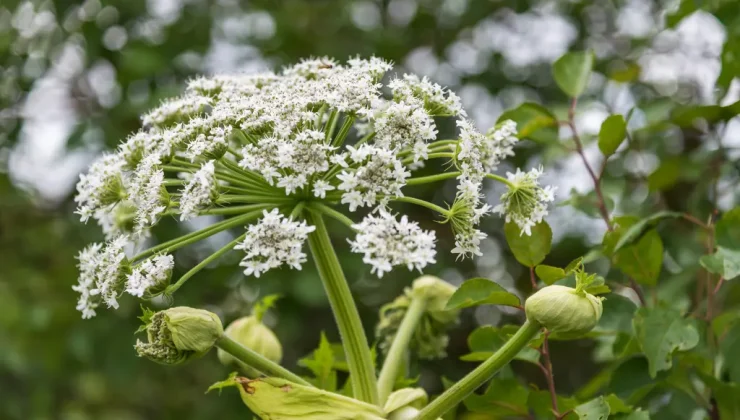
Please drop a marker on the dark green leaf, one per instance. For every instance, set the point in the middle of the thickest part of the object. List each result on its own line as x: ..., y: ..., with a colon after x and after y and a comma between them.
x: 730, y: 348
x: 503, y: 398
x: 726, y: 395
x: 596, y: 409
x: 541, y: 403
x: 618, y: 312
x: 572, y: 71
x: 635, y: 415
x: 642, y: 260
x: 727, y: 230
x: 485, y: 340
x: 529, y: 250
x: 661, y: 331
x: 480, y: 291
x: 612, y: 133
x: 686, y: 116
x: 634, y: 232
x: 616, y: 405
x: 730, y: 62
x: 631, y: 379
x: 533, y: 121
x: 668, y: 173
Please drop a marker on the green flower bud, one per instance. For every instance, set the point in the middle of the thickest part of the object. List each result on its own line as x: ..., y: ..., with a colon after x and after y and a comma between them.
x: 250, y: 332
x: 179, y: 334
x: 272, y: 398
x: 564, y: 310
x: 430, y: 338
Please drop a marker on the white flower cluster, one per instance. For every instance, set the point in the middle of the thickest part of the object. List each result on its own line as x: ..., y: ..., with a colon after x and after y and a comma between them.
x: 525, y: 203
x: 318, y: 131
x: 273, y: 241
x: 387, y: 242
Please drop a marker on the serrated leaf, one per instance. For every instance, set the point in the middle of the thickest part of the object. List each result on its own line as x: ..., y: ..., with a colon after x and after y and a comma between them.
x: 529, y: 250
x: 263, y: 305
x: 533, y: 121
x: 321, y: 364
x: 572, y: 71
x: 635, y: 232
x: 598, y: 289
x: 480, y: 291
x: 725, y: 262
x: 596, y: 409
x: 613, y: 131
x: 146, y: 319
x: 661, y: 331
x: 727, y: 230
x: 503, y: 398
x: 486, y: 340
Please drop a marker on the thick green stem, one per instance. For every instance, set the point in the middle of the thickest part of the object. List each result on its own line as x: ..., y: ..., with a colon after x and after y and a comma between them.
x: 323, y: 208
x: 432, y: 178
x: 347, y: 317
x: 464, y: 387
x: 500, y: 179
x: 253, y: 359
x: 396, y: 354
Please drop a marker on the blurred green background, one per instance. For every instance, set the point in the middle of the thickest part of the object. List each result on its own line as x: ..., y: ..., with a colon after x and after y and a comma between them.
x: 75, y: 76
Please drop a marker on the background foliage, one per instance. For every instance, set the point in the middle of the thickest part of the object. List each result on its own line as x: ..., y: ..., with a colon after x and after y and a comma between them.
x: 76, y: 76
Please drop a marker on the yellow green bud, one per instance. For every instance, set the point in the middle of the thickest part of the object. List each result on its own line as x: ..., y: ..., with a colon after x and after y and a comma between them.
x: 250, y: 332
x: 564, y: 310
x: 179, y: 334
x: 272, y: 398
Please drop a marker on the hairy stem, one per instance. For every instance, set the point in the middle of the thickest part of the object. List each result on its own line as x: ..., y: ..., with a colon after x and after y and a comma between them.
x: 464, y: 387
x: 255, y: 360
x: 400, y: 344
x: 356, y: 349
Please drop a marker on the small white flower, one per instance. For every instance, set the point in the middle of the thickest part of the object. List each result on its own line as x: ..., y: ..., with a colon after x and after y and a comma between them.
x: 404, y: 124
x: 273, y: 241
x: 468, y: 243
x: 387, y: 242
x: 151, y: 272
x: 88, y: 263
x: 101, y: 187
x: 525, y: 203
x: 320, y: 188
x: 479, y: 154
x: 200, y: 192
x: 437, y: 100
x: 375, y: 171
x: 175, y: 110
x: 148, y: 193
x: 212, y: 145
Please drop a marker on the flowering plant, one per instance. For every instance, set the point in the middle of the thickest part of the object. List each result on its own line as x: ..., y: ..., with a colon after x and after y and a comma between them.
x: 277, y: 154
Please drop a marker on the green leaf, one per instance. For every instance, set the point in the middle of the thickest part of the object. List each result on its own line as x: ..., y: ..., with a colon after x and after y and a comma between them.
x: 485, y: 340
x: 661, y: 331
x: 321, y: 364
x: 596, y: 409
x: 634, y: 232
x: 263, y: 305
x: 480, y: 291
x: 725, y: 262
x: 541, y: 403
x: 631, y: 379
x: 612, y: 133
x: 730, y: 62
x: 529, y: 250
x: 668, y: 173
x: 642, y: 260
x: 638, y: 414
x: 533, y: 121
x: 503, y: 398
x: 549, y: 274
x: 686, y: 116
x: 572, y: 71
x: 616, y: 405
x: 730, y: 349
x: 726, y: 396
x: 727, y: 229
x: 618, y: 312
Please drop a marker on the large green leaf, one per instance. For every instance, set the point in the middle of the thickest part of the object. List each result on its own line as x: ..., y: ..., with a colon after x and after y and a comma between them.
x: 725, y: 262
x: 572, y: 71
x: 634, y: 232
x: 480, y: 291
x: 726, y: 396
x: 661, y: 331
x: 686, y: 116
x: 612, y: 133
x: 486, y: 340
x: 596, y: 409
x: 641, y: 260
x: 727, y: 230
x: 529, y: 250
x: 549, y: 274
x: 503, y: 398
x: 730, y: 349
x: 533, y: 121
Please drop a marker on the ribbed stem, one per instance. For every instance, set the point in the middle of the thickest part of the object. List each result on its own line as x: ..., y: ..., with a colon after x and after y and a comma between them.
x: 396, y: 354
x: 464, y: 387
x: 347, y: 317
x: 255, y: 360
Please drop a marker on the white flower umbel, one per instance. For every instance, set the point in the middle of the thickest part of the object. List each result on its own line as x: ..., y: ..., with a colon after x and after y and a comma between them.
x: 375, y: 177
x: 200, y: 192
x: 437, y: 100
x: 387, y: 242
x: 273, y: 241
x: 477, y: 154
x: 525, y: 203
x: 149, y: 193
x: 176, y: 110
x: 402, y: 125
x: 152, y: 272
